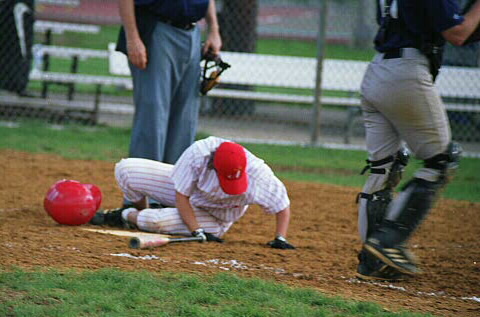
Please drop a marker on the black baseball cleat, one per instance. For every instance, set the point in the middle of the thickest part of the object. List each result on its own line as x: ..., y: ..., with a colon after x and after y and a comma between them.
x: 112, y: 218
x: 397, y: 257
x: 372, y: 269
x: 384, y: 273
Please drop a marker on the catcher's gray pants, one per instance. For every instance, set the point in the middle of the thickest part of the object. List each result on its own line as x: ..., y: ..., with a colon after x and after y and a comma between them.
x: 401, y: 103
x: 166, y: 95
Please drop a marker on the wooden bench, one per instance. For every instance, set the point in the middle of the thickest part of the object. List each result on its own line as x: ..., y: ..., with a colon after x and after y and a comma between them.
x: 40, y: 72
x: 341, y: 80
x: 53, y: 27
x: 42, y: 54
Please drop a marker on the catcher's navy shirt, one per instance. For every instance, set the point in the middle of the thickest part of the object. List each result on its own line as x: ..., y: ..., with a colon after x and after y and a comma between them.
x: 182, y: 11
x: 419, y: 19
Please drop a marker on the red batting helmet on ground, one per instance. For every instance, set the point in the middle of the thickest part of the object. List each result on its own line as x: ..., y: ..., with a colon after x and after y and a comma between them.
x: 70, y: 202
x: 96, y: 192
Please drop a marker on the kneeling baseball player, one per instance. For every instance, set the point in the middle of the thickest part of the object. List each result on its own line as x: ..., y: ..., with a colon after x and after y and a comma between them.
x: 209, y: 188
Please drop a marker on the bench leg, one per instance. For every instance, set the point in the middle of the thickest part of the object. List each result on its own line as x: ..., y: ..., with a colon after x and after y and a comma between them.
x: 352, y: 112
x: 96, y: 106
x: 73, y: 70
x: 46, y: 66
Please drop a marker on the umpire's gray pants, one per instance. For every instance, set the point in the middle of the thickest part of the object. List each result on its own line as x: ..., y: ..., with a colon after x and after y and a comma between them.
x: 166, y: 95
x: 400, y: 102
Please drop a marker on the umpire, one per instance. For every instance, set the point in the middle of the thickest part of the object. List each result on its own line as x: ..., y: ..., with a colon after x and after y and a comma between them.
x: 401, y: 105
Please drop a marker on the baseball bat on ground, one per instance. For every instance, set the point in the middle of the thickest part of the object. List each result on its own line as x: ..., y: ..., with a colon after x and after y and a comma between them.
x: 143, y: 242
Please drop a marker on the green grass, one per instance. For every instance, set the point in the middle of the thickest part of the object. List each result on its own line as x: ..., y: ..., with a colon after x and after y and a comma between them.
x: 340, y: 167
x: 309, y: 49
x: 70, y: 141
x: 110, y: 292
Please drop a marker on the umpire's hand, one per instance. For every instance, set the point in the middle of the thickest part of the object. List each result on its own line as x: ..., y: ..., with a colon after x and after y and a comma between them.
x: 280, y: 242
x: 137, y: 53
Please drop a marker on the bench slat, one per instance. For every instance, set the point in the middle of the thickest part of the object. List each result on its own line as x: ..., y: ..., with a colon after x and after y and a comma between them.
x: 68, y: 52
x: 61, y: 27
x: 80, y: 79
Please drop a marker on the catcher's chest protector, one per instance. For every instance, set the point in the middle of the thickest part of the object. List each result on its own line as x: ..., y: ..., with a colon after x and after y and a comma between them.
x: 16, y: 40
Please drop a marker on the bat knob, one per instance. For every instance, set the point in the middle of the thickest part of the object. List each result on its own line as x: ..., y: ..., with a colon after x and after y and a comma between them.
x: 135, y: 243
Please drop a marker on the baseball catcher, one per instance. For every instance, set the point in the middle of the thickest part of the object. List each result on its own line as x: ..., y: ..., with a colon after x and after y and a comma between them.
x: 401, y: 104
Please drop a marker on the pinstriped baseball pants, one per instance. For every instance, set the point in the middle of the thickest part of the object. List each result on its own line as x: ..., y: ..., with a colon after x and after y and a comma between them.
x: 140, y: 178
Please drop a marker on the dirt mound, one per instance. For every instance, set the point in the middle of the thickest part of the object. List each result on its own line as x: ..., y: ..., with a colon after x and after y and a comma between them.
x: 323, y: 228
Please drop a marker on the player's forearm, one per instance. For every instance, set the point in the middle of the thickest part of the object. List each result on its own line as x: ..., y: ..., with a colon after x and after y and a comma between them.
x: 283, y: 220
x: 458, y: 34
x: 127, y: 14
x: 211, y: 18
x: 186, y: 211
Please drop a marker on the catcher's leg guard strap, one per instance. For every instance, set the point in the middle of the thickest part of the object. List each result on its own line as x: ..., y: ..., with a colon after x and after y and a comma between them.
x: 442, y: 165
x: 372, y: 210
x: 377, y: 192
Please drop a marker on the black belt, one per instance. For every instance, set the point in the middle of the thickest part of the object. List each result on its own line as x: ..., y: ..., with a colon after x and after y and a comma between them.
x: 395, y: 53
x: 187, y: 26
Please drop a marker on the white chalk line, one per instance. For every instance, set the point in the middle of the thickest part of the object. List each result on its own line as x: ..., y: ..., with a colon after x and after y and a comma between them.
x: 228, y: 265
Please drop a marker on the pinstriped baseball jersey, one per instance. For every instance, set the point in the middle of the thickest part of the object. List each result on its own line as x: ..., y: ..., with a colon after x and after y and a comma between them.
x: 193, y: 177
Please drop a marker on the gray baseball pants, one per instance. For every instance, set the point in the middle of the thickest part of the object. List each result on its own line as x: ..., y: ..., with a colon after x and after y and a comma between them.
x: 401, y: 104
x: 166, y: 95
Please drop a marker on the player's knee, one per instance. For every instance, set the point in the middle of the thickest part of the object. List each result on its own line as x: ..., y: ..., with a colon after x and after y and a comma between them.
x: 445, y: 164
x: 385, y: 173
x: 151, y: 220
x: 121, y: 174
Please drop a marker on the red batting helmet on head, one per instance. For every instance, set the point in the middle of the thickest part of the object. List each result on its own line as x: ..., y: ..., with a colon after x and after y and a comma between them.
x: 70, y: 202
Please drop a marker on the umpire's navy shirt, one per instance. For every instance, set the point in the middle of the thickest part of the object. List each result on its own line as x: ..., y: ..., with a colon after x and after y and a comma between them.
x: 180, y: 11
x: 420, y: 17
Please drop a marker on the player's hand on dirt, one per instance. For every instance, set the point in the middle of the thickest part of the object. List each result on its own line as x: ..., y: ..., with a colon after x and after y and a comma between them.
x: 280, y: 242
x: 206, y: 236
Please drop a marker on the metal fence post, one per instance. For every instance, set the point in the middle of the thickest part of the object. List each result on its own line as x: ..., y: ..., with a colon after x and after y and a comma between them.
x: 317, y: 103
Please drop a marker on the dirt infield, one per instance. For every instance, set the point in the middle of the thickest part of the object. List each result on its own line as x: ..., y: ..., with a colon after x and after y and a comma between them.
x: 323, y: 228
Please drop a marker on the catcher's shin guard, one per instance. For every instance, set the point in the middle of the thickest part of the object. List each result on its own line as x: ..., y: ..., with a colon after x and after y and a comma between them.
x: 417, y: 198
x: 385, y: 174
x: 406, y: 213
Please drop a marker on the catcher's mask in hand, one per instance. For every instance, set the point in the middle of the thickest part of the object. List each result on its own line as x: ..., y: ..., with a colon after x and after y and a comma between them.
x: 212, y: 69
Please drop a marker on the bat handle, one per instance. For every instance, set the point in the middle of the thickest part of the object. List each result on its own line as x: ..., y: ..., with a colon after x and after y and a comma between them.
x: 186, y: 239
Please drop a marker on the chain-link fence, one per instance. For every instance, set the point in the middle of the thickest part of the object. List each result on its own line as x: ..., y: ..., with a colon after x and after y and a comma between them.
x: 55, y: 64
